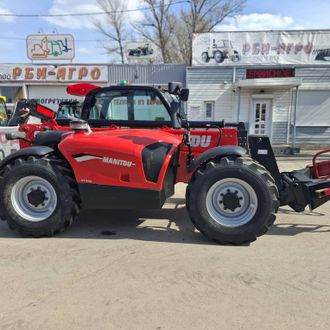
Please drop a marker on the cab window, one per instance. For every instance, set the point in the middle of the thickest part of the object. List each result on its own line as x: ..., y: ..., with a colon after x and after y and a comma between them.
x: 140, y: 105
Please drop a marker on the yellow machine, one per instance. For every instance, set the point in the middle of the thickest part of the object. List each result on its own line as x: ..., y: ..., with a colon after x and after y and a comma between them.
x: 3, y: 111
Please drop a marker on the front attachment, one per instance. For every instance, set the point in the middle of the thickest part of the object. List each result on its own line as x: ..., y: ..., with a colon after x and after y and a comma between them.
x: 300, y: 190
x: 297, y: 188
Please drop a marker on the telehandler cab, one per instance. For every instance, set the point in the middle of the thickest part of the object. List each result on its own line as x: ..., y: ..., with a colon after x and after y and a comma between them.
x: 130, y: 148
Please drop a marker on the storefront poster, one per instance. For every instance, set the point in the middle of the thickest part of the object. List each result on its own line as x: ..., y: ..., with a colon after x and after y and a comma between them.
x: 50, y: 47
x: 53, y: 73
x: 141, y: 52
x: 262, y: 48
x: 51, y: 96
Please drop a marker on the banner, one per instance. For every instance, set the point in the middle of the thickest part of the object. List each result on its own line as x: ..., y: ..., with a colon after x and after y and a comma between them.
x: 50, y: 46
x: 51, y: 96
x: 142, y: 52
x: 53, y: 73
x: 261, y: 48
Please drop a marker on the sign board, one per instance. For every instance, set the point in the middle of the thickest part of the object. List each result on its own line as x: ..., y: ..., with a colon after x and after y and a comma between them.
x: 50, y: 47
x: 141, y: 51
x: 262, y: 48
x: 270, y: 73
x: 51, y: 96
x: 53, y: 73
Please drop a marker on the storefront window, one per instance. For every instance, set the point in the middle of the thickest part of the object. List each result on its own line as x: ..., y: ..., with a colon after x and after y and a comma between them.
x: 209, y: 110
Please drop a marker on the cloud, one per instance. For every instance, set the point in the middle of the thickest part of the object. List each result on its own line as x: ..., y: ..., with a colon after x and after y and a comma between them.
x: 7, y: 19
x: 84, y: 50
x: 258, y: 22
x: 85, y: 6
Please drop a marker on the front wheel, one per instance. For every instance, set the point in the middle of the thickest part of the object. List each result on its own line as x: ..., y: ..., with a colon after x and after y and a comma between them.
x: 232, y: 200
x: 38, y: 196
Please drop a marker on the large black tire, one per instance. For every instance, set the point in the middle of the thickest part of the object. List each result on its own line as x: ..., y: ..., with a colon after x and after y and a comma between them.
x: 232, y: 182
x: 55, y: 203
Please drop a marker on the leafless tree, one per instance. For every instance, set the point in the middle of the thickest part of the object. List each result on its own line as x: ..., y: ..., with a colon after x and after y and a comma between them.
x: 158, y: 26
x: 114, y: 27
x: 203, y: 16
x: 164, y: 26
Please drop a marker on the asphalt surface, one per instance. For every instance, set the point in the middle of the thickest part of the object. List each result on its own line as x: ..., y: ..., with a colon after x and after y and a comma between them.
x: 152, y: 270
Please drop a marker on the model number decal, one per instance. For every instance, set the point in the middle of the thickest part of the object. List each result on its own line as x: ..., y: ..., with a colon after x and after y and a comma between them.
x: 119, y: 162
x: 203, y: 141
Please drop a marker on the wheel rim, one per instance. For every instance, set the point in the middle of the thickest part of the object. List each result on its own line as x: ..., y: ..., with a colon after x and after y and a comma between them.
x: 33, y: 198
x: 231, y: 202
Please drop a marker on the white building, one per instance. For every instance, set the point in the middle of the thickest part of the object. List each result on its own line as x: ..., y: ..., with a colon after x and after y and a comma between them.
x: 285, y: 96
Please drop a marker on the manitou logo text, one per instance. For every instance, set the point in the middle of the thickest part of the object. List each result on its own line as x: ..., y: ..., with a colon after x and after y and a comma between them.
x: 203, y: 141
x: 119, y: 162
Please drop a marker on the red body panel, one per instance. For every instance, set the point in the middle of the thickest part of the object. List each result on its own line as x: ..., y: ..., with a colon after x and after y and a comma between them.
x: 127, y: 144
x: 114, y: 157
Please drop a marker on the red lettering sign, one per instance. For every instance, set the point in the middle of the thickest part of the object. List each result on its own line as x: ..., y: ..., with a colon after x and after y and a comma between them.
x: 270, y: 73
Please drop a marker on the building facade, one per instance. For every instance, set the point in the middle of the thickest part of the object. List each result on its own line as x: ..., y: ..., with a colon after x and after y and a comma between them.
x: 48, y: 82
x: 285, y: 96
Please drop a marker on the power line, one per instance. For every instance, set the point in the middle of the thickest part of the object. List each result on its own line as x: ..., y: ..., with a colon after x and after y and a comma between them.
x: 79, y: 40
x: 91, y: 14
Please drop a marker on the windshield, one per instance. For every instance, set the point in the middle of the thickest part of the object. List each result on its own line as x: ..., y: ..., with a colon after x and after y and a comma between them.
x: 143, y: 105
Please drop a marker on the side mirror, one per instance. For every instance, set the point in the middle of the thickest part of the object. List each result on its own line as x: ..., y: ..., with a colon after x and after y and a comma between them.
x: 174, y: 87
x: 184, y: 95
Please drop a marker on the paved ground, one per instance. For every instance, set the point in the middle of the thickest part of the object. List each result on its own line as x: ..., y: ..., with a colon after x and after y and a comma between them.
x: 151, y: 270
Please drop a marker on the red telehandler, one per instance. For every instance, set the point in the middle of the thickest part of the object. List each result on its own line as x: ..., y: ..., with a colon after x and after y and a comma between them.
x: 129, y: 149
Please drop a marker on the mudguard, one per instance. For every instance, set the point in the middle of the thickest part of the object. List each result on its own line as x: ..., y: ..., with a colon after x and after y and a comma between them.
x: 215, y: 152
x: 38, y: 151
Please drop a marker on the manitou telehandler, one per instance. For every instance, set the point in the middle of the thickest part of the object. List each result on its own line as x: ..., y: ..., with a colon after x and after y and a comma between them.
x: 129, y: 149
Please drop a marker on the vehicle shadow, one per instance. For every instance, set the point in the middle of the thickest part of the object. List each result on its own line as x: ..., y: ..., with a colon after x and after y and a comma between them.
x: 170, y: 224
x: 292, y: 229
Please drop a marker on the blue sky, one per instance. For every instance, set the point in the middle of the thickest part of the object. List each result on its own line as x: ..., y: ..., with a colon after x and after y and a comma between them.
x: 267, y: 14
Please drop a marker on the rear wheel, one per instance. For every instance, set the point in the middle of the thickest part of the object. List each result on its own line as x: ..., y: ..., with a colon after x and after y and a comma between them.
x: 38, y: 196
x: 232, y: 200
